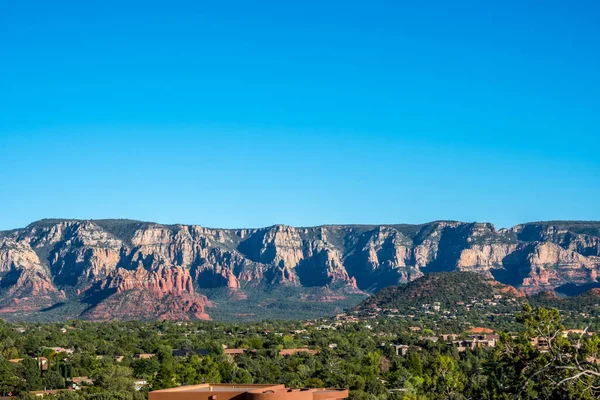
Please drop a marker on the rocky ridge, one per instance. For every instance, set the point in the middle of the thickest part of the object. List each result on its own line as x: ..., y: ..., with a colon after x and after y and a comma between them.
x: 132, y: 269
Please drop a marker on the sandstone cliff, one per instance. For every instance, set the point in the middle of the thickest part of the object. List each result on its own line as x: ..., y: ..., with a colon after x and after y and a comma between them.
x: 132, y: 269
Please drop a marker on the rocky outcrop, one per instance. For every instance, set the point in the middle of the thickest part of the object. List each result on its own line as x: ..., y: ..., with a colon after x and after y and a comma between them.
x: 165, y: 293
x: 100, y: 262
x: 552, y: 266
x: 25, y: 283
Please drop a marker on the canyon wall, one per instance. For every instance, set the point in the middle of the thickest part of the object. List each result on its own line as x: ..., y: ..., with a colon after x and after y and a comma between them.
x: 130, y: 269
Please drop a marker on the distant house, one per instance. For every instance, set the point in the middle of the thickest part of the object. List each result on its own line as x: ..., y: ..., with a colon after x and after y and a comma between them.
x: 401, y: 349
x: 289, y: 352
x: 61, y: 350
x: 41, y: 361
x: 540, y: 344
x: 494, y: 337
x: 81, y: 380
x: 42, y: 393
x: 578, y: 332
x: 119, y: 358
x: 187, y: 352
x: 472, y: 344
x: 234, y: 352
x: 480, y: 330
x: 321, y: 327
x: 143, y: 356
x: 78, y: 381
x: 139, y: 384
x: 414, y: 328
x: 449, y: 336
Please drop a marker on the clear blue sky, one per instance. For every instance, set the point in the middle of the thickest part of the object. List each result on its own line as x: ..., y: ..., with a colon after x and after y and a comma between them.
x: 247, y: 114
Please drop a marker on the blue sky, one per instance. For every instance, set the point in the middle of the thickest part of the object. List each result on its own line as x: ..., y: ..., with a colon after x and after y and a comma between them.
x: 247, y: 114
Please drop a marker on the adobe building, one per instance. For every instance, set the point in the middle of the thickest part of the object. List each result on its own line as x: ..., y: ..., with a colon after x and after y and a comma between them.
x: 245, y: 392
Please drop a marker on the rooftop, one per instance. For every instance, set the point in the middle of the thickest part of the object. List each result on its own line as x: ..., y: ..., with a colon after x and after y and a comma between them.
x: 246, y: 392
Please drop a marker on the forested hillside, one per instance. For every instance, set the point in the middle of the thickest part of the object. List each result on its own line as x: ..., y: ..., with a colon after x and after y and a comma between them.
x: 377, y: 359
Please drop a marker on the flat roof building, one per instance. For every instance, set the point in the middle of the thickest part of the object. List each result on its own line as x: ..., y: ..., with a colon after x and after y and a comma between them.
x: 245, y: 392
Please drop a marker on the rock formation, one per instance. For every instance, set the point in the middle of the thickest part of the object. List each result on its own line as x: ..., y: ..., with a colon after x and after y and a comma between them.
x: 132, y: 269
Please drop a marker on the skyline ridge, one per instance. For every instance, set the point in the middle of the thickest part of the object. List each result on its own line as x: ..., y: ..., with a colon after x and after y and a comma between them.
x: 131, y: 220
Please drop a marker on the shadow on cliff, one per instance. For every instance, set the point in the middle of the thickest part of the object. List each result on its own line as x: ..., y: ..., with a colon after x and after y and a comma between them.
x: 311, y: 271
x: 208, y: 279
x: 452, y: 241
x: 95, y: 295
x: 371, y: 277
x: 53, y: 307
x: 251, y: 247
x: 10, y: 278
x: 516, y: 267
x: 571, y: 289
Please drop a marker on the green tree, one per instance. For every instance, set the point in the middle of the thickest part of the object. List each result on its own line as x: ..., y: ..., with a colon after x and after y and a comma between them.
x: 241, y: 375
x: 555, y: 368
x: 29, y: 371
x: 9, y: 382
x: 165, y: 378
x: 114, y: 378
x: 447, y: 379
x: 53, y: 380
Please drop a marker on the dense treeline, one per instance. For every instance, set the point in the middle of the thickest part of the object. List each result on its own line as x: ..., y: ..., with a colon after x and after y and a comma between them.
x: 359, y: 356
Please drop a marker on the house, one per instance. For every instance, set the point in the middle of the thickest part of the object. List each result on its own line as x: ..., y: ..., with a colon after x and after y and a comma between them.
x: 289, y: 352
x: 42, y: 393
x: 246, y: 391
x: 480, y: 330
x: 401, y: 349
x: 321, y: 327
x: 414, y: 328
x: 41, y: 361
x: 472, y: 344
x: 143, y: 356
x: 83, y: 380
x: 578, y: 332
x: 139, y: 384
x: 541, y: 344
x: 234, y: 352
x: 449, y: 336
x: 61, y: 350
x: 185, y: 353
x: 493, y: 338
x: 118, y: 358
x: 78, y: 381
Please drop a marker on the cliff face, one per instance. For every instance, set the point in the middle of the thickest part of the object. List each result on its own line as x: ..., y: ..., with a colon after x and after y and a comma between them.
x: 131, y: 269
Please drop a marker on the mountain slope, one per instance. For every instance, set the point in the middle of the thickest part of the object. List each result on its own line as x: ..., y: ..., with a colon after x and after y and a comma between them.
x: 99, y: 267
x: 446, y: 288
